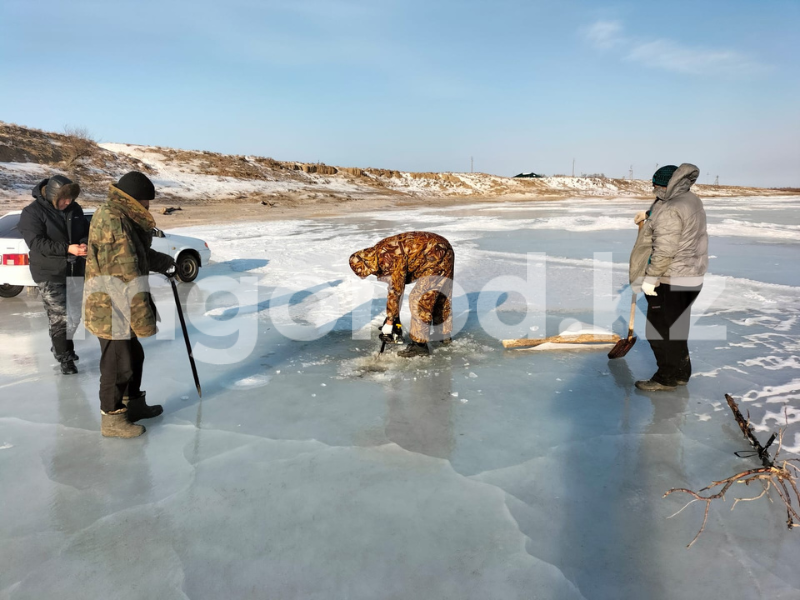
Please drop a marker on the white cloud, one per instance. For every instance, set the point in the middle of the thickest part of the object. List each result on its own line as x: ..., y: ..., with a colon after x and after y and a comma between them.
x: 670, y: 55
x: 604, y: 34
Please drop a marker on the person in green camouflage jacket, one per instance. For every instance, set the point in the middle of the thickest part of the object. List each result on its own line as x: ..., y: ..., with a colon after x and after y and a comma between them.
x: 118, y: 307
x: 416, y: 256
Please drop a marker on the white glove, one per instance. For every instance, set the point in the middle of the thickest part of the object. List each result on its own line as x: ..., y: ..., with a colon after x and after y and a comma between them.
x: 649, y: 288
x: 387, y: 328
x: 640, y: 216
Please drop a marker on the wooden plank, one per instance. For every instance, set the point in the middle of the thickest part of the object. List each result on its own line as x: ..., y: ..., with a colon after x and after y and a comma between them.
x: 584, y: 338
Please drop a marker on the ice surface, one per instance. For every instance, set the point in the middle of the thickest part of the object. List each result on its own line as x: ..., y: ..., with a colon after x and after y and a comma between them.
x: 319, y: 469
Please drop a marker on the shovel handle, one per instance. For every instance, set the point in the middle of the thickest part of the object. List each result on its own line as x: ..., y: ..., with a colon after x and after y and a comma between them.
x: 633, y: 313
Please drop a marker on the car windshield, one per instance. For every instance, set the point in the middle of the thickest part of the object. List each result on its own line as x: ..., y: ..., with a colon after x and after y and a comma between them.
x: 8, y: 227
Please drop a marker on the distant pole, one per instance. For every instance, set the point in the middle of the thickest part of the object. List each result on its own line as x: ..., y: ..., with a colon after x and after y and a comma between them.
x: 573, y: 167
x: 471, y: 165
x: 716, y: 181
x: 630, y: 173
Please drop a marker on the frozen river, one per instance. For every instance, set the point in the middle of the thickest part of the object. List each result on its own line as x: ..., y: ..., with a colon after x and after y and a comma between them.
x: 313, y: 469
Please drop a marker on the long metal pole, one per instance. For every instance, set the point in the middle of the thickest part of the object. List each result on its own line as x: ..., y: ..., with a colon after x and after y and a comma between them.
x: 186, y: 336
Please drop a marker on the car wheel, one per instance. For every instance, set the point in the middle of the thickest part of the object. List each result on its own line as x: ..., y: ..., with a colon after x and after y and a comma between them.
x: 188, y: 267
x: 9, y: 291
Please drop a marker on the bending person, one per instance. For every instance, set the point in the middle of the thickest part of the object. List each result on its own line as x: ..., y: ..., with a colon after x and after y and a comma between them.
x: 416, y: 256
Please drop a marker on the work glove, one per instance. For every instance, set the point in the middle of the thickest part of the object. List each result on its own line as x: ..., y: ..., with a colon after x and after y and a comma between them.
x: 640, y: 216
x: 391, y: 332
x: 649, y: 288
x: 171, y: 271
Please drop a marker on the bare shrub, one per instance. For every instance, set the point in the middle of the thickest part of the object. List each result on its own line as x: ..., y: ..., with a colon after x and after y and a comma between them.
x: 78, y: 144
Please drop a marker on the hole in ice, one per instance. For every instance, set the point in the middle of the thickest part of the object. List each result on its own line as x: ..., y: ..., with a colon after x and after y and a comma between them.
x: 254, y: 381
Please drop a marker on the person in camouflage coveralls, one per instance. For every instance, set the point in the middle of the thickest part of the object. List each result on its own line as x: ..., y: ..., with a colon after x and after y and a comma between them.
x: 118, y: 308
x: 415, y: 256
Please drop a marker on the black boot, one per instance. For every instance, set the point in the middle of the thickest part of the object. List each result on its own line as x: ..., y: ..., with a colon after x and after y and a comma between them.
x: 138, y: 408
x: 71, y: 351
x: 414, y: 349
x: 70, y: 354
x: 68, y: 366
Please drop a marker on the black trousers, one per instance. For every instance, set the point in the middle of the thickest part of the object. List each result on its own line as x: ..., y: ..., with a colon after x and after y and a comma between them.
x: 121, y: 363
x: 668, y: 316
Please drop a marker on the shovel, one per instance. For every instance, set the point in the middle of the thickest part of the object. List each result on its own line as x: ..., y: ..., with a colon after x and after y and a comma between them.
x: 622, y: 347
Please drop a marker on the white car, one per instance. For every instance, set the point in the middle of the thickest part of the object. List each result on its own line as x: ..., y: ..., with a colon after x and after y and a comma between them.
x: 189, y: 254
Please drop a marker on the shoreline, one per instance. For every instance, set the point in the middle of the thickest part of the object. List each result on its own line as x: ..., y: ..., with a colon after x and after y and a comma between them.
x: 297, y: 206
x: 230, y: 212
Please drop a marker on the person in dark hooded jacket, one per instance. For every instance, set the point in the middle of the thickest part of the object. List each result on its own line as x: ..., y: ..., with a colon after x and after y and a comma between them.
x: 56, y: 231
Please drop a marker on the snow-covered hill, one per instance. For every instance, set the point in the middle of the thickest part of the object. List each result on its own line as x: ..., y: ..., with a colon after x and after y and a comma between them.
x: 188, y: 176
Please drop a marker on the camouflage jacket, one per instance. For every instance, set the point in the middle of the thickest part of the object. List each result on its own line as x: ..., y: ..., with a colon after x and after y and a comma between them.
x: 117, y: 297
x: 402, y: 259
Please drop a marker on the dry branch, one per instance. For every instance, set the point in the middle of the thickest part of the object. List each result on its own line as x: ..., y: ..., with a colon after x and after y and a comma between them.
x: 772, y: 475
x: 78, y: 144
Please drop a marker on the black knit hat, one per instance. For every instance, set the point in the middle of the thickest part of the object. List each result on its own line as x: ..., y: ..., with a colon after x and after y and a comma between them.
x: 137, y: 185
x: 663, y: 175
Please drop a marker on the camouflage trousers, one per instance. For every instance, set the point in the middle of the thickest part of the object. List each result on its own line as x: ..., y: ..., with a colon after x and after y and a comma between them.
x: 430, y: 303
x: 62, y: 303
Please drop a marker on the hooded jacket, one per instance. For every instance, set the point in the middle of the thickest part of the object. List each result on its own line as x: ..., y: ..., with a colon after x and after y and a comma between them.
x: 119, y: 258
x: 403, y: 259
x: 672, y: 245
x: 48, y: 233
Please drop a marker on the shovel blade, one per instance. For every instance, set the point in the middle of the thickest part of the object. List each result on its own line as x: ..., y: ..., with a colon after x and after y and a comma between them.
x: 622, y: 347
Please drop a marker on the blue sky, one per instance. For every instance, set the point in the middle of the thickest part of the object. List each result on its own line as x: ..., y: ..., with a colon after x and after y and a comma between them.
x: 422, y: 86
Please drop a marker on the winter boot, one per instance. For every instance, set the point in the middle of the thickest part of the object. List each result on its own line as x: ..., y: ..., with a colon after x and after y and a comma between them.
x: 414, y: 349
x: 68, y: 366
x: 138, y: 408
x: 70, y: 354
x: 648, y: 385
x: 71, y: 350
x: 116, y: 424
x: 447, y: 341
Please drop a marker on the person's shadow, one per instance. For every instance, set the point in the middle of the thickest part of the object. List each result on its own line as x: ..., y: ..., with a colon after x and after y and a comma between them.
x: 418, y: 415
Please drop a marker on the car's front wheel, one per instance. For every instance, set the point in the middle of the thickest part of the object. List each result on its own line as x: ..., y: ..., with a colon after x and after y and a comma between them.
x: 9, y: 291
x: 188, y: 267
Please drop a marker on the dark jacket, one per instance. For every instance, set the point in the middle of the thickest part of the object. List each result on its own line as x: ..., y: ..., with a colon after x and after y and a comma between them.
x: 48, y: 233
